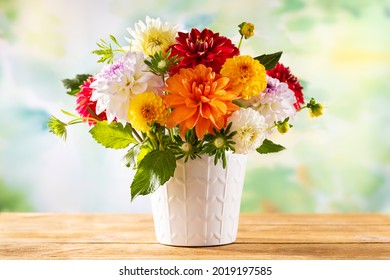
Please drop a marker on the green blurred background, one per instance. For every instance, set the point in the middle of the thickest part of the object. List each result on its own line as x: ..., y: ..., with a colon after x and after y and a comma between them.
x: 339, y: 49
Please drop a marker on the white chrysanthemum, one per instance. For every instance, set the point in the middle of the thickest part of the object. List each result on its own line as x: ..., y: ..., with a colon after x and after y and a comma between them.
x: 275, y: 103
x: 251, y: 130
x: 152, y: 37
x: 117, y: 83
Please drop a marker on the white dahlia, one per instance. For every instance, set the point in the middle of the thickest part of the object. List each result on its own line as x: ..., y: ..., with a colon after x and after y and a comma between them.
x: 251, y: 130
x: 152, y: 37
x: 117, y: 83
x: 275, y: 103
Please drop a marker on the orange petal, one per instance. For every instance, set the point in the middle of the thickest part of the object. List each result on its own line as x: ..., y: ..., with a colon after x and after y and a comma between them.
x: 173, y: 100
x: 191, y: 103
x: 191, y: 122
x: 205, y: 110
x: 179, y: 114
x: 220, y: 105
x: 202, y: 127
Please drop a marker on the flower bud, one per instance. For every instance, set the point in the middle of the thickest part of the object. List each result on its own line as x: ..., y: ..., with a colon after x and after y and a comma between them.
x: 247, y: 29
x: 219, y: 142
x: 315, y: 109
x: 283, y: 127
x: 162, y: 64
x: 186, y: 147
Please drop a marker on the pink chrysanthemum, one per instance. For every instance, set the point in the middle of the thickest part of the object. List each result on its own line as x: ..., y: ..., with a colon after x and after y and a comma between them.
x: 206, y: 47
x: 84, y: 102
x: 284, y: 75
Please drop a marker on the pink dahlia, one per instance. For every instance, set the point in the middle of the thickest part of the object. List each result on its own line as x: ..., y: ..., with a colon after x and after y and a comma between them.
x: 204, y: 47
x: 284, y: 75
x: 84, y: 102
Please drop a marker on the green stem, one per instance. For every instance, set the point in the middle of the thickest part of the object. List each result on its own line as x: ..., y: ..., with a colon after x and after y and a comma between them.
x: 139, y: 138
x: 160, y: 141
x: 239, y: 44
x: 271, y: 127
x: 152, y: 140
x: 171, y: 134
x: 304, y: 107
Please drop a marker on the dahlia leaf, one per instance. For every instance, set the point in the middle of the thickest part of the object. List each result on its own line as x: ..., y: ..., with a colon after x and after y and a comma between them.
x: 135, y: 155
x: 269, y: 147
x: 113, y: 135
x: 269, y: 60
x: 73, y: 85
x: 155, y: 169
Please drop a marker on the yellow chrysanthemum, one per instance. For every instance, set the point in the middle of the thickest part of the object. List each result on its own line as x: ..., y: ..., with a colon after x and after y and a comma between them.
x: 145, y: 109
x: 247, y: 76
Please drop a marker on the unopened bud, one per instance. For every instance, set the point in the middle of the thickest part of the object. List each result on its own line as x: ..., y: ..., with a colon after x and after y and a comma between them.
x: 283, y: 127
x: 315, y: 109
x: 219, y: 142
x: 247, y: 29
x: 162, y: 64
x: 186, y: 147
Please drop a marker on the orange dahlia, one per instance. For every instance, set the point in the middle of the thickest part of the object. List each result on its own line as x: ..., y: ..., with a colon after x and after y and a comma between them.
x: 199, y: 98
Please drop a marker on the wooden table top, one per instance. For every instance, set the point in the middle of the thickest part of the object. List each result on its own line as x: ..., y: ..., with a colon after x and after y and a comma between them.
x: 131, y: 236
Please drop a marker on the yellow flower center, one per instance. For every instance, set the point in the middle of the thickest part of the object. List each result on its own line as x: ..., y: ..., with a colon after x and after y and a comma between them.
x: 148, y: 113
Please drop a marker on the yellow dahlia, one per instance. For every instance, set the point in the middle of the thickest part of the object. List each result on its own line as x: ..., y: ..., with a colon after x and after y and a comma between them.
x: 145, y: 109
x: 247, y: 76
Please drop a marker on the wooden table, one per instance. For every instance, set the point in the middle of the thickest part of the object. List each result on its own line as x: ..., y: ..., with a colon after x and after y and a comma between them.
x: 131, y: 236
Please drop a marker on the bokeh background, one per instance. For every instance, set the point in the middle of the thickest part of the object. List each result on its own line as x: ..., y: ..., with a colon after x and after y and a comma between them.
x: 338, y: 48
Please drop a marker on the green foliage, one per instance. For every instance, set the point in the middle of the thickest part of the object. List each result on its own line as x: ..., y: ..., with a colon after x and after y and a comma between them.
x: 73, y: 85
x: 57, y: 127
x: 155, y: 169
x: 269, y: 147
x: 135, y: 155
x: 160, y: 63
x: 189, y: 148
x: 269, y: 60
x: 106, y: 52
x: 218, y: 143
x: 113, y: 135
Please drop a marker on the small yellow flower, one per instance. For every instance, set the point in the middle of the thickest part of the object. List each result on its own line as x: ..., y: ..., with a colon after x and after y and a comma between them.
x: 247, y: 75
x: 145, y: 109
x: 247, y: 29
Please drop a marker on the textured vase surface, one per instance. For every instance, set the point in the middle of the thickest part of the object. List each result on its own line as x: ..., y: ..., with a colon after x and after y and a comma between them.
x: 200, y: 205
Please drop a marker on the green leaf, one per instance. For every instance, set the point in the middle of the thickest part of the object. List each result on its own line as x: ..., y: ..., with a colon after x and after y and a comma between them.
x: 113, y: 135
x: 156, y: 168
x: 269, y: 147
x: 73, y: 85
x: 239, y: 104
x: 269, y: 60
x: 135, y: 155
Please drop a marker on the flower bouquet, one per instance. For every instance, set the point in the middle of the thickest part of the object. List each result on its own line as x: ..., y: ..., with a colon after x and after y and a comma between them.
x: 170, y: 96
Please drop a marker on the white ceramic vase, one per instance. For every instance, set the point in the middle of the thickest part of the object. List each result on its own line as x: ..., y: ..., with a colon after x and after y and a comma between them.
x: 200, y: 205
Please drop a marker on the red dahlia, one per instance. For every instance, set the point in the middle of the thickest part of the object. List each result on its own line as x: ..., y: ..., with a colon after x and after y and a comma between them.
x: 284, y: 75
x: 84, y: 102
x: 204, y: 47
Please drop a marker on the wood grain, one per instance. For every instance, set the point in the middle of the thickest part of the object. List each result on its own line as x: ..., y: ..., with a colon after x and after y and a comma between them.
x: 131, y: 236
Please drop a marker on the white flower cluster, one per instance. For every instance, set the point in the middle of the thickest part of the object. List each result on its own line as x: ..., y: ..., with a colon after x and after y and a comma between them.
x: 117, y: 84
x: 251, y: 130
x: 274, y: 104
